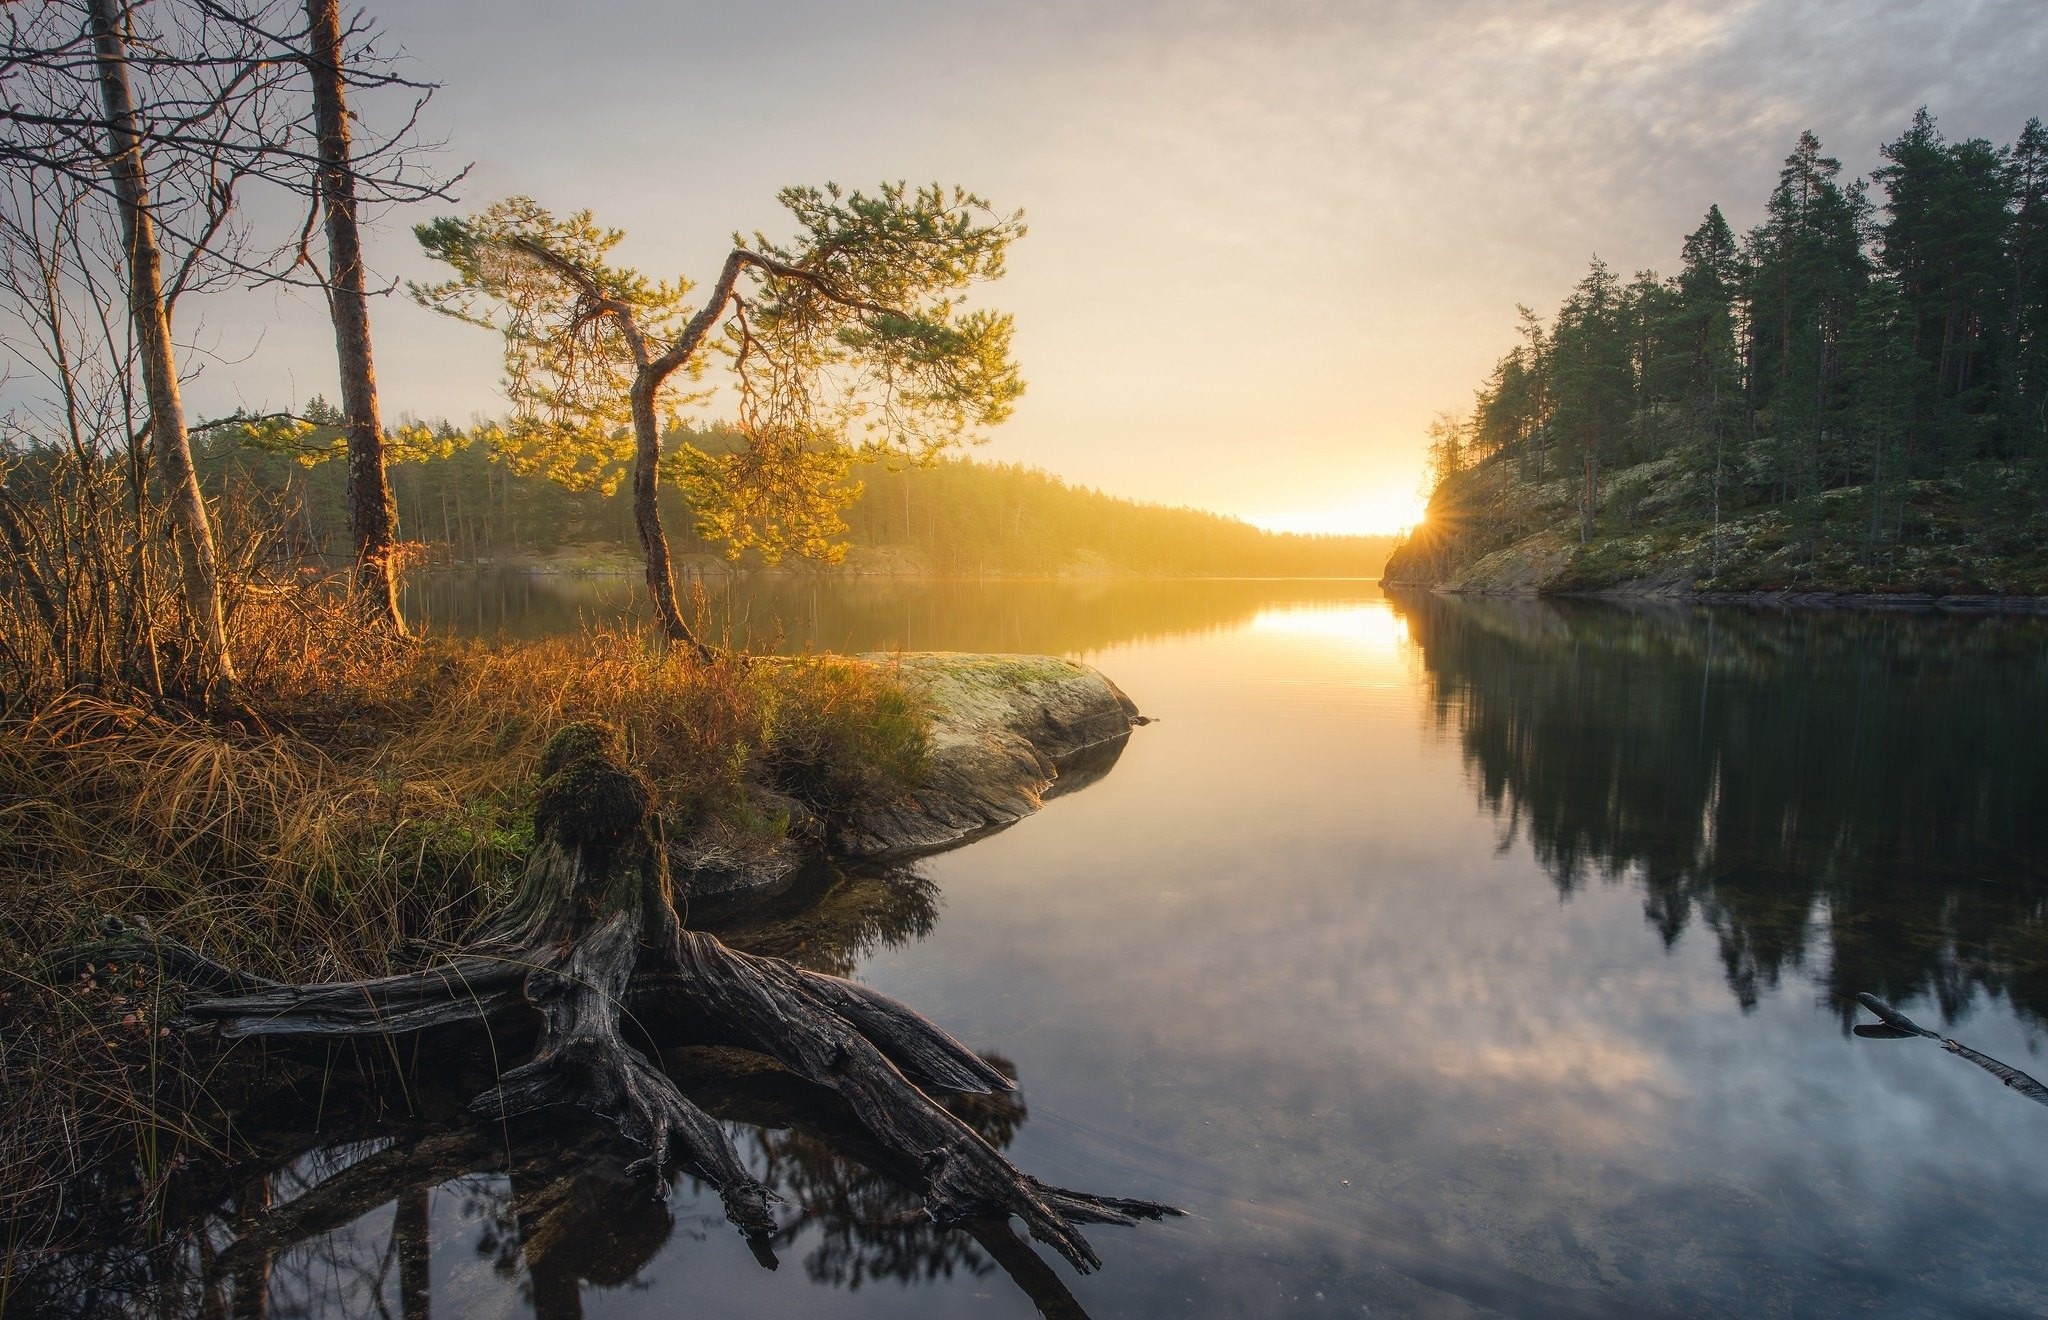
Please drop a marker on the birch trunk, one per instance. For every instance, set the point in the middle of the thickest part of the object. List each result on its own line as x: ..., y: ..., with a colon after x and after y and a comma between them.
x: 197, y: 561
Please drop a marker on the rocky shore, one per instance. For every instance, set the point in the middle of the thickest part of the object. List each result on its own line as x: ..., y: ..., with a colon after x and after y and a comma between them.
x: 1007, y: 733
x: 1494, y: 531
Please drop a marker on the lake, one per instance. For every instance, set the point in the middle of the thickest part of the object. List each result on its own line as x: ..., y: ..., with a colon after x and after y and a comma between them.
x: 1442, y: 958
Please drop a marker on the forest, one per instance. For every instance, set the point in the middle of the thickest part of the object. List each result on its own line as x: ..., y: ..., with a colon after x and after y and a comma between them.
x: 1854, y: 392
x: 459, y: 503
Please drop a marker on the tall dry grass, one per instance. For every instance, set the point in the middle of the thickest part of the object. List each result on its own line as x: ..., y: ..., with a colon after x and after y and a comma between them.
x: 377, y: 795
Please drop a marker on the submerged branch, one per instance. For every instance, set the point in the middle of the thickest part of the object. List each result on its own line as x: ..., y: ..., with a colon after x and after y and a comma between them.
x: 1897, y: 1026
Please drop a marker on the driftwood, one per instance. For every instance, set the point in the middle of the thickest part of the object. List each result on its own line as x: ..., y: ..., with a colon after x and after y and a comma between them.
x: 1894, y: 1025
x: 591, y: 947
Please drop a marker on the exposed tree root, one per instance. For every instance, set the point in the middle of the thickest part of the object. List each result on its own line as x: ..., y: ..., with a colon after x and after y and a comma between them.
x: 592, y: 947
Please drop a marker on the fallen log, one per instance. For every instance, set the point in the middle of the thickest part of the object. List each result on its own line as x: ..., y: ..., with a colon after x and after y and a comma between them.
x: 591, y: 946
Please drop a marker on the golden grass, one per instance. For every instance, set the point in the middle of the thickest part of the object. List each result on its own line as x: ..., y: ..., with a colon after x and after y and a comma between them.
x: 381, y: 794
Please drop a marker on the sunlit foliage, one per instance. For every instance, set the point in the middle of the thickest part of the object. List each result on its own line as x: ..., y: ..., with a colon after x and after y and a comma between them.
x: 852, y: 338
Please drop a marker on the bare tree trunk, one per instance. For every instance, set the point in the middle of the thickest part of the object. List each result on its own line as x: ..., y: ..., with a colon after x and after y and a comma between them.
x: 30, y: 571
x: 371, y: 519
x: 251, y: 1299
x: 196, y: 557
x: 1589, y: 485
x: 661, y: 587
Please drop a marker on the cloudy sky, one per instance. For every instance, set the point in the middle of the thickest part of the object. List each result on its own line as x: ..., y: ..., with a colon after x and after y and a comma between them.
x: 1267, y: 241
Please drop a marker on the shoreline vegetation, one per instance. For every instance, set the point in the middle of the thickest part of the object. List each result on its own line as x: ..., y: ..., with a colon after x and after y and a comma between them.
x: 379, y: 803
x: 459, y: 506
x: 227, y: 769
x: 463, y: 869
x: 1848, y: 404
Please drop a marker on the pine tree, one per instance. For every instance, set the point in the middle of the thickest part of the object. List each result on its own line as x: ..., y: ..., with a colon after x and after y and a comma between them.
x: 1806, y: 266
x: 1593, y: 382
x: 1943, y: 242
x: 1707, y: 287
x: 2023, y: 352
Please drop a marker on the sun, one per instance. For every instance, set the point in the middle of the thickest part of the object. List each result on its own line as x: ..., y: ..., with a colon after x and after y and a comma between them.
x: 1391, y: 511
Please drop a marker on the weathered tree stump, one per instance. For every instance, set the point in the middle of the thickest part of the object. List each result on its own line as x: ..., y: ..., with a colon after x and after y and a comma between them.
x: 592, y: 947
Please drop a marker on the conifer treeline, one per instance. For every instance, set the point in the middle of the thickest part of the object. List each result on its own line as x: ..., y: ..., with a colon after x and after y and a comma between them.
x: 1888, y: 334
x: 456, y: 505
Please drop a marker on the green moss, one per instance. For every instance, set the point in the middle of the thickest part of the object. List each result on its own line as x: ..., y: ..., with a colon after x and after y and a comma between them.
x: 576, y: 742
x: 1983, y: 529
x: 586, y: 794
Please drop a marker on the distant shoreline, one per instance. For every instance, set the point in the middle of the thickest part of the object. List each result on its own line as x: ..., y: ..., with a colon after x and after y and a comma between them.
x: 545, y: 567
x: 1903, y: 602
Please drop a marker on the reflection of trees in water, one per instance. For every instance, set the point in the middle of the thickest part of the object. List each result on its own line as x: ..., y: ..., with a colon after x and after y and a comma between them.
x: 870, y: 1227
x: 1864, y: 790
x: 260, y: 1212
x: 340, y: 1227
x: 313, y: 1201
x: 877, y: 614
x: 830, y: 919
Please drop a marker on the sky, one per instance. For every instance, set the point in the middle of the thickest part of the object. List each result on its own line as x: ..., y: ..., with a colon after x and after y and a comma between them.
x: 1267, y: 240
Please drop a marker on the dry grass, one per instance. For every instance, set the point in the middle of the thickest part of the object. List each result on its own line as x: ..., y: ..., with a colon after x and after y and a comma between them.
x: 385, y: 795
x: 380, y: 795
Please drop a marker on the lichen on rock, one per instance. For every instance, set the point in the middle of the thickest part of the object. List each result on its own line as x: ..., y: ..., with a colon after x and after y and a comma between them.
x: 1003, y: 727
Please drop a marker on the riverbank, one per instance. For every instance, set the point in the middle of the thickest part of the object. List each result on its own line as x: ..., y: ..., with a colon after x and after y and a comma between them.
x: 378, y: 804
x: 1902, y: 602
x: 1972, y: 543
x: 380, y: 793
x: 612, y: 560
x: 888, y: 561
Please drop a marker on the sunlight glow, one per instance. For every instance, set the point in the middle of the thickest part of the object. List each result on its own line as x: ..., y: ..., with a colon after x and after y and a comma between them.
x: 1389, y: 512
x: 1374, y: 627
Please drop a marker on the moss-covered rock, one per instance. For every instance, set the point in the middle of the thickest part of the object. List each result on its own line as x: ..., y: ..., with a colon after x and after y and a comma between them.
x: 1978, y: 538
x: 1006, y: 731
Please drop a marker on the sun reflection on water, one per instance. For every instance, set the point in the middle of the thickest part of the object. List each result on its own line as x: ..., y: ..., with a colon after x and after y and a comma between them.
x: 1375, y: 627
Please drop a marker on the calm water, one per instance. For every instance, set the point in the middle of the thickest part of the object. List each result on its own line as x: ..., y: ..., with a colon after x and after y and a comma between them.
x: 1444, y: 959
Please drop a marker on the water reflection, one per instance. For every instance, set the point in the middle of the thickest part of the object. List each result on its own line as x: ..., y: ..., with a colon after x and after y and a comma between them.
x: 320, y: 1203
x: 1862, y: 796
x: 794, y: 613
x: 830, y: 917
x: 1399, y: 1054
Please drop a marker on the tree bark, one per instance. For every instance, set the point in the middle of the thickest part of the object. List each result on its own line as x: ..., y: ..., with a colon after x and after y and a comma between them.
x: 411, y: 1226
x: 661, y: 585
x: 372, y: 519
x: 197, y: 559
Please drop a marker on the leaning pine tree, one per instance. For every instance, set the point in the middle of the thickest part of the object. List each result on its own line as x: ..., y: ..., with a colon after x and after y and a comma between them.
x: 854, y: 336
